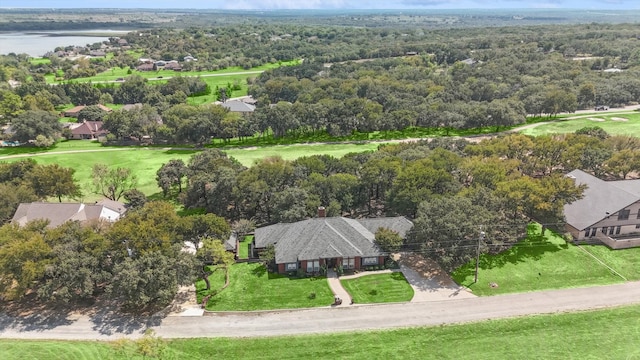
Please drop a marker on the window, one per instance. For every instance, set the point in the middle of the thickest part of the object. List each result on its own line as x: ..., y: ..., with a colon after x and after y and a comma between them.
x: 370, y: 261
x: 348, y: 263
x: 638, y: 226
x: 313, y: 265
x: 593, y: 232
x: 638, y: 217
x: 618, y: 230
x: 586, y: 232
x: 611, y: 230
x: 604, y: 230
x: 291, y: 266
x: 624, y: 214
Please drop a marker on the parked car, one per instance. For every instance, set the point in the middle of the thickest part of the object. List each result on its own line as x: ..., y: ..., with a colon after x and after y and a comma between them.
x: 601, y: 107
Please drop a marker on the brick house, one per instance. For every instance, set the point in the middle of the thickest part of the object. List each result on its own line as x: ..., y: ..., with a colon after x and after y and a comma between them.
x: 326, y: 241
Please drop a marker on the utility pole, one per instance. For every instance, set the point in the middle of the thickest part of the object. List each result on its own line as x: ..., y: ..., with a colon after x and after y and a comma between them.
x: 480, y: 238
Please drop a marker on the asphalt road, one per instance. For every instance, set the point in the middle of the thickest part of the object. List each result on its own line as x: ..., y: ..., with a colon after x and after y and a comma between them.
x: 321, y: 320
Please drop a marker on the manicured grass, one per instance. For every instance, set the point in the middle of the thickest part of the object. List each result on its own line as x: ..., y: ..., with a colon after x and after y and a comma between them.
x: 601, y: 334
x: 39, y: 60
x: 221, y: 82
x: 251, y: 287
x: 116, y: 72
x: 145, y: 161
x: 614, y: 127
x: 536, y: 263
x: 379, y: 288
x: 624, y: 261
x: 245, y: 244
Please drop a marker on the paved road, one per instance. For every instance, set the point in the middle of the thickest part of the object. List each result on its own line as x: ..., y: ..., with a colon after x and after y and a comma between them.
x: 323, y: 320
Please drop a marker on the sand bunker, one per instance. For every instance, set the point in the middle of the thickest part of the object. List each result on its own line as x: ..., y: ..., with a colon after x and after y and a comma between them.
x: 619, y: 119
x: 596, y: 119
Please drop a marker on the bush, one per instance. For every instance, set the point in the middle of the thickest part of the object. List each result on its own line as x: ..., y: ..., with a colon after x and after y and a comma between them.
x: 312, y: 296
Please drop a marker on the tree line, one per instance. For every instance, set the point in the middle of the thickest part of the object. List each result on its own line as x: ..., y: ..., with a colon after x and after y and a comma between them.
x: 506, y: 181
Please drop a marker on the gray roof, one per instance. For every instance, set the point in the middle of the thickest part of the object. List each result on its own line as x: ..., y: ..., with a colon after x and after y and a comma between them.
x: 238, y: 106
x: 230, y: 244
x: 325, y: 238
x: 59, y: 213
x: 601, y: 199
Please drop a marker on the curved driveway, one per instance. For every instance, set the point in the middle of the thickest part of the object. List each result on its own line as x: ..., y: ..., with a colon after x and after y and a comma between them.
x: 322, y: 320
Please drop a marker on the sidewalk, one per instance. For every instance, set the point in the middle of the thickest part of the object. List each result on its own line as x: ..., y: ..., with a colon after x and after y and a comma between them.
x: 337, y: 289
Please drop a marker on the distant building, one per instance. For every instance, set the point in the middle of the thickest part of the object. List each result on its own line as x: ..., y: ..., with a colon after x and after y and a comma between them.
x: 59, y: 213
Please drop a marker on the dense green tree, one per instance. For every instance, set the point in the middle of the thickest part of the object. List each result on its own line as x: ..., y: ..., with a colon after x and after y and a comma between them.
x: 388, y: 240
x: 54, y: 180
x: 29, y: 124
x: 171, y: 175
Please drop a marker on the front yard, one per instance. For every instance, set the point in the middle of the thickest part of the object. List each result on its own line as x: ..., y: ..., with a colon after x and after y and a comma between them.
x: 543, y: 262
x: 251, y: 287
x: 378, y: 288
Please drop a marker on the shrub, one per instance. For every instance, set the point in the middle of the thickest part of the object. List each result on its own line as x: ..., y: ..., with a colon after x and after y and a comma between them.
x: 312, y: 296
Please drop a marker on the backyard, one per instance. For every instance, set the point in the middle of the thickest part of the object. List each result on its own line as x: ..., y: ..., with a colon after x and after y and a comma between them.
x: 544, y: 262
x: 252, y: 287
x: 378, y: 288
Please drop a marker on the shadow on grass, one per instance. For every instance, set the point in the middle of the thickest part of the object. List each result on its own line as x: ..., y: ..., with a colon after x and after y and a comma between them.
x: 8, y: 151
x: 260, y: 271
x: 398, y: 276
x: 533, y: 247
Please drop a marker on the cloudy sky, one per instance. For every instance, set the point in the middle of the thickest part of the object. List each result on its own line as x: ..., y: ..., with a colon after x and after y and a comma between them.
x: 327, y: 4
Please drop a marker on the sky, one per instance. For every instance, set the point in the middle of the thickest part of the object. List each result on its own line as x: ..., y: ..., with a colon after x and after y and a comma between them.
x: 327, y: 4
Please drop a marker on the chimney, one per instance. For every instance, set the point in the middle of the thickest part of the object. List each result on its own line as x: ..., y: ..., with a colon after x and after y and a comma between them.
x: 322, y: 212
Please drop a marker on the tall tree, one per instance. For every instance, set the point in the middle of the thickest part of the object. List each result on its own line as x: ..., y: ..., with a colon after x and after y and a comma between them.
x: 54, y: 180
x: 171, y: 175
x: 112, y: 183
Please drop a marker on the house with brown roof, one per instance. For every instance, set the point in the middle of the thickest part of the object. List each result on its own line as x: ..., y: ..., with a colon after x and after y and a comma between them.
x: 146, y: 67
x: 59, y: 213
x: 73, y: 112
x: 87, y: 130
x: 327, y: 242
x: 609, y: 211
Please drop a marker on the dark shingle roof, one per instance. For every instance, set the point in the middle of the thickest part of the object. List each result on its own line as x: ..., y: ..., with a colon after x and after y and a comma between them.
x: 601, y: 199
x: 326, y: 238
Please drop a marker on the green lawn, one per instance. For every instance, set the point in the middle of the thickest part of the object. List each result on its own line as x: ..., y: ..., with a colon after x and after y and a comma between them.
x: 379, y: 288
x: 601, y: 334
x: 116, y: 72
x: 251, y: 287
x: 610, y: 125
x: 624, y: 261
x: 145, y: 161
x: 535, y: 263
x: 39, y: 60
x: 245, y: 245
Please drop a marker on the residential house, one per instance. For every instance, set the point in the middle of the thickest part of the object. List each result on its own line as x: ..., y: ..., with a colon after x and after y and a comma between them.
x: 73, y: 112
x: 87, y: 130
x: 146, y: 67
x: 97, y: 53
x: 173, y: 65
x: 609, y: 212
x: 310, y: 244
x: 238, y: 106
x: 59, y: 213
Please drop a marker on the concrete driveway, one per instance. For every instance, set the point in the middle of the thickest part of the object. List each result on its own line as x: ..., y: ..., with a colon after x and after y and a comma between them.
x: 428, y: 281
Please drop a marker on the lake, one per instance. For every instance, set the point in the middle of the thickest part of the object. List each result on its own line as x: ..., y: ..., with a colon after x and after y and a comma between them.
x: 38, y: 43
